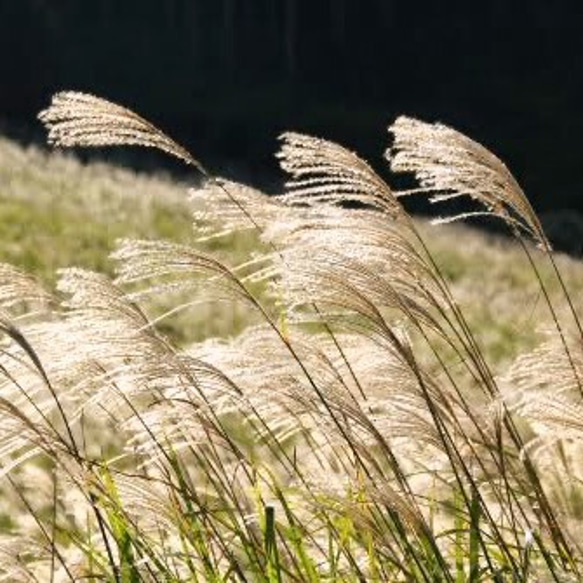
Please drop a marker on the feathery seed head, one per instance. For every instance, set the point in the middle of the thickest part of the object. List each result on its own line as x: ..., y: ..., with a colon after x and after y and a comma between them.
x: 450, y: 165
x: 325, y: 172
x: 81, y: 119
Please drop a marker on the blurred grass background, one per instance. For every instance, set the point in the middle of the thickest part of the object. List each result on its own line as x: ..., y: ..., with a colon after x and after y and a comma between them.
x: 58, y: 212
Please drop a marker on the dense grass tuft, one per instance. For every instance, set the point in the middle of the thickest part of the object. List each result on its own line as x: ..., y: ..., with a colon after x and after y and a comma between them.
x: 369, y: 405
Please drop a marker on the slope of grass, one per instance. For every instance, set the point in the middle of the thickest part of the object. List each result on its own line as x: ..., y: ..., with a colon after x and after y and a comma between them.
x: 384, y: 449
x: 57, y: 212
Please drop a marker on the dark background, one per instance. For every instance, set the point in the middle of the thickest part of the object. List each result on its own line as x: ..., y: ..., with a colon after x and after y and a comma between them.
x: 225, y: 77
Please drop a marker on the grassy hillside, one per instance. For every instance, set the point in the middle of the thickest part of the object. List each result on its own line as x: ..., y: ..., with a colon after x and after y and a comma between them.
x: 57, y: 212
x: 367, y: 429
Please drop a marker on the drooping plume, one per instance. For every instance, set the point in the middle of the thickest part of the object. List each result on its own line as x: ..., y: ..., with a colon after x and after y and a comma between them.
x: 449, y: 165
x: 323, y: 171
x: 81, y: 119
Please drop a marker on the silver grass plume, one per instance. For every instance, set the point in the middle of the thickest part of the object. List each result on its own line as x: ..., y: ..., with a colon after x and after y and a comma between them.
x: 542, y: 390
x: 141, y: 381
x: 170, y: 267
x: 29, y: 406
x: 21, y: 290
x: 290, y: 408
x: 362, y: 244
x: 543, y: 387
x: 546, y: 370
x: 333, y: 256
x: 449, y: 165
x: 230, y: 205
x: 81, y: 119
x: 396, y: 408
x: 325, y: 172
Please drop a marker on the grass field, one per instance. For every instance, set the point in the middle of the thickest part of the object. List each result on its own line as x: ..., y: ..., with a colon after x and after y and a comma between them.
x: 343, y: 395
x: 56, y: 212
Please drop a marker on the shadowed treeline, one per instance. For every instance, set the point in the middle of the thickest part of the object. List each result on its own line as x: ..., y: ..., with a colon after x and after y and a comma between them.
x: 227, y: 76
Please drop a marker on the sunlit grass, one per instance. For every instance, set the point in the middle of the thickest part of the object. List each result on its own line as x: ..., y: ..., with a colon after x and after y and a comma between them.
x: 323, y: 391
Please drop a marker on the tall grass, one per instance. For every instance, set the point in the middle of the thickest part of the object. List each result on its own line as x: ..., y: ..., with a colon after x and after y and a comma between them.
x: 357, y: 432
